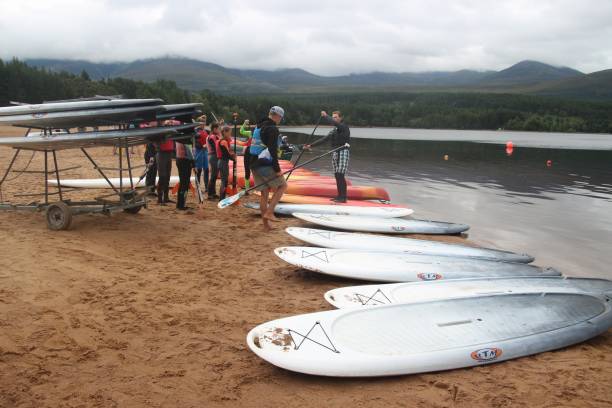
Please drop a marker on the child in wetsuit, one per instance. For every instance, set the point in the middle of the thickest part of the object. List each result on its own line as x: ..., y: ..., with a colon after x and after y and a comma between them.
x: 226, y: 155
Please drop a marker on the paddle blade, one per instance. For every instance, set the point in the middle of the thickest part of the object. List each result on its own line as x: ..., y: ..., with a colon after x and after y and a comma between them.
x: 226, y: 202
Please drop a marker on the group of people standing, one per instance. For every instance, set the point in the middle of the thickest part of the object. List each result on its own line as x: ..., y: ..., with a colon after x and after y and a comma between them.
x: 211, y: 152
x: 208, y: 153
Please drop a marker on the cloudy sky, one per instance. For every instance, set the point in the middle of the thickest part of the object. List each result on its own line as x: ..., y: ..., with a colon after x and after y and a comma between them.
x: 324, y: 37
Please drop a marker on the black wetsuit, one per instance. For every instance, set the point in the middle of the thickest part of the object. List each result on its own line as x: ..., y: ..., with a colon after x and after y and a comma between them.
x: 213, y: 164
x: 151, y: 177
x: 339, y: 136
x: 164, y: 168
x: 224, y: 168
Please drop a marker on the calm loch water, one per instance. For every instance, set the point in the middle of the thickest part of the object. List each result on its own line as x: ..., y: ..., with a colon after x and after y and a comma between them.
x: 560, y: 213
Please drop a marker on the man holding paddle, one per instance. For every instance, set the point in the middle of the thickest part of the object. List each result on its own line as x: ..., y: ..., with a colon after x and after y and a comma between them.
x: 264, y: 164
x: 339, y: 136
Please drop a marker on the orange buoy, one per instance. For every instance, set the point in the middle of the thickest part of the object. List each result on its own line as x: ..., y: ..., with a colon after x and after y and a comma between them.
x: 509, y: 145
x: 509, y: 151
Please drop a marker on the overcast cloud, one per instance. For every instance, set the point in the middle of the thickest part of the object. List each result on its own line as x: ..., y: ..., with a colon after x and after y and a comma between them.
x: 324, y: 37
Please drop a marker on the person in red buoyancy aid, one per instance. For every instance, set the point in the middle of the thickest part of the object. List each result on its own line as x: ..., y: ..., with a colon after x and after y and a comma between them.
x: 201, y: 154
x: 212, y: 144
x: 226, y: 154
x: 164, y: 167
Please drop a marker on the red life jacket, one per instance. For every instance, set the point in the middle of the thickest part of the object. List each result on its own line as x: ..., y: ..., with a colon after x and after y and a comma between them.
x: 213, y: 145
x: 203, y: 136
x: 167, y: 146
x: 218, y: 148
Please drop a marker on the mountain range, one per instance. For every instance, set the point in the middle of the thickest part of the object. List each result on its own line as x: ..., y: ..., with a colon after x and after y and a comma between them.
x: 530, y: 77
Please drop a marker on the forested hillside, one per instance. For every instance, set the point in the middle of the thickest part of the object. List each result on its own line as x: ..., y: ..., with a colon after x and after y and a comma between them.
x: 22, y: 83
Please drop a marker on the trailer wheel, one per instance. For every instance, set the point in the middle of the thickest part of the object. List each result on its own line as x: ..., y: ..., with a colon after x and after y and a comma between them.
x: 133, y: 210
x: 59, y: 216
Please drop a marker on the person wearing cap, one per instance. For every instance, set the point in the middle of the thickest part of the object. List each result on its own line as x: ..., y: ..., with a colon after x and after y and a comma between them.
x: 284, y: 147
x: 264, y: 164
x: 339, y: 136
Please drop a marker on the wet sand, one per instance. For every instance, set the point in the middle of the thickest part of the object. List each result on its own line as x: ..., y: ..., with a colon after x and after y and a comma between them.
x: 152, y: 310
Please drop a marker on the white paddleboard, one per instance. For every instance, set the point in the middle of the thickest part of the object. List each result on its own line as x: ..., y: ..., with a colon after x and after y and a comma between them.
x: 387, y: 226
x: 401, y: 267
x: 351, y: 240
x: 413, y: 292
x: 379, y: 212
x: 102, y: 183
x: 429, y: 336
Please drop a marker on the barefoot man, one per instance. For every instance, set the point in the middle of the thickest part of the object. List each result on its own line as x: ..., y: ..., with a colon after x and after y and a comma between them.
x: 264, y: 164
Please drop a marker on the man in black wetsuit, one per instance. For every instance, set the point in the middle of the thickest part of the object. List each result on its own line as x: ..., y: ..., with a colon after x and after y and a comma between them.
x: 339, y: 136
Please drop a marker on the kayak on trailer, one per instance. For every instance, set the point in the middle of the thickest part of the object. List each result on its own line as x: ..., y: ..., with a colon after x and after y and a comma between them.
x: 387, y: 226
x: 413, y: 292
x: 380, y: 212
x: 401, y: 267
x: 429, y: 336
x: 353, y: 192
x: 352, y: 240
x: 305, y: 199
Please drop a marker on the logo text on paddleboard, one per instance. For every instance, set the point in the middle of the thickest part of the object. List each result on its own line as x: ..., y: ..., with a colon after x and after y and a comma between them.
x: 429, y: 276
x: 486, y: 354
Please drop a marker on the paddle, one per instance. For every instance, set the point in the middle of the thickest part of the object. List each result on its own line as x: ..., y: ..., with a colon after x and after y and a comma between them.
x: 226, y: 202
x: 234, y: 178
x: 302, y: 150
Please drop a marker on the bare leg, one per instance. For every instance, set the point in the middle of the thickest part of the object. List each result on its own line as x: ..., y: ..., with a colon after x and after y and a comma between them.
x: 263, y: 201
x: 263, y: 208
x: 269, y: 214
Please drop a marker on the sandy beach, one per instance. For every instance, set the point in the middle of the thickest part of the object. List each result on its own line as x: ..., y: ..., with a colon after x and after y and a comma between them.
x: 152, y: 310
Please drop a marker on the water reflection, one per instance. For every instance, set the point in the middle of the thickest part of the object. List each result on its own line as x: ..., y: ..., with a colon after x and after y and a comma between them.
x: 474, y: 165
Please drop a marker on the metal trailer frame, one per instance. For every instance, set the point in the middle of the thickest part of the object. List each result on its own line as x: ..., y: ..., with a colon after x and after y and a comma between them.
x: 59, y: 213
